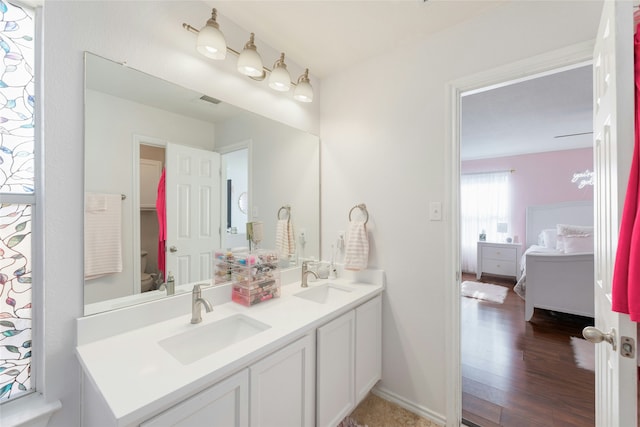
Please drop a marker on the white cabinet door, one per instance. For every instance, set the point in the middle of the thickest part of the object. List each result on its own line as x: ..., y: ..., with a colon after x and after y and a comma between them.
x: 150, y: 172
x: 226, y: 404
x: 368, y: 346
x: 335, y: 370
x: 283, y: 386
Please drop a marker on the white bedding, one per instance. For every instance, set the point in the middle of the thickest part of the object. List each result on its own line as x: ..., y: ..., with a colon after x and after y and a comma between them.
x: 520, y: 288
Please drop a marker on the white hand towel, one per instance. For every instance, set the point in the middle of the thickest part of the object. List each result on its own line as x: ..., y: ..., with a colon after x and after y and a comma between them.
x: 95, y: 202
x: 356, y: 252
x: 285, y: 241
x: 102, y: 235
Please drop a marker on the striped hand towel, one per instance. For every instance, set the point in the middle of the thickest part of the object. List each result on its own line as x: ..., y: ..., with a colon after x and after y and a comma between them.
x: 356, y: 252
x: 285, y: 241
x: 102, y: 234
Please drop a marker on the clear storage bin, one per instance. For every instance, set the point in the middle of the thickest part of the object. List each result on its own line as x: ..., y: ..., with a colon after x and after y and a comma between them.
x: 255, y: 276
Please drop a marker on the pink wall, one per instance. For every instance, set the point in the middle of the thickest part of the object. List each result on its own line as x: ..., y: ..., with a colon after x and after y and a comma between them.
x: 538, y: 179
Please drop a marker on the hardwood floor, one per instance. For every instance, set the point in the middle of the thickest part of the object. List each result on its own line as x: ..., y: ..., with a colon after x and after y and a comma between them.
x: 517, y: 373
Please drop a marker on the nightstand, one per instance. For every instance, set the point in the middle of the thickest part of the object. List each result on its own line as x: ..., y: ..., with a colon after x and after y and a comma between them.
x: 502, y: 259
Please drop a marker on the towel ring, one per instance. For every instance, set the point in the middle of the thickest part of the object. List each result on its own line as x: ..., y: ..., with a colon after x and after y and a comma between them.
x: 287, y: 209
x: 363, y: 208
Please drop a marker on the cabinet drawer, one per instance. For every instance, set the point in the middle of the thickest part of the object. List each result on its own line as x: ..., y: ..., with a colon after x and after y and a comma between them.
x: 502, y: 268
x: 489, y: 253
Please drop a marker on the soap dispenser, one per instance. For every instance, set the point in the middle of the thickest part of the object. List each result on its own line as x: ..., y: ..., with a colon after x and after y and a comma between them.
x: 171, y: 285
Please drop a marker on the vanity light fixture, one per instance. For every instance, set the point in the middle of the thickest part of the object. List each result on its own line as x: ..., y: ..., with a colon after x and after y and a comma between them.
x: 212, y: 44
x: 249, y: 61
x: 303, y: 91
x: 279, y: 78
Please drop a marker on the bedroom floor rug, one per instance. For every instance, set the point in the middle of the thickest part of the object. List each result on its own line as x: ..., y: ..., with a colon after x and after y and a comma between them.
x: 584, y: 353
x: 484, y: 291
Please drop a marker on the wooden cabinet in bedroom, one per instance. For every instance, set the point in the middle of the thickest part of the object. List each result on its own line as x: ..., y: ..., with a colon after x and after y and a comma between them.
x: 502, y: 259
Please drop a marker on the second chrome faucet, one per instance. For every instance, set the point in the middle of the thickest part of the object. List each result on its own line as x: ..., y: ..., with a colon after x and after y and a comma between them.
x: 196, y: 302
x: 305, y: 273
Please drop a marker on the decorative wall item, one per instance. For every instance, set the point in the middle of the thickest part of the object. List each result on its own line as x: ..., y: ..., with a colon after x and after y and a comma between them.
x: 582, y: 179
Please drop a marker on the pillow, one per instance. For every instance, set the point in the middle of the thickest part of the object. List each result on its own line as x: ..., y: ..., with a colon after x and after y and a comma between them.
x: 578, y: 243
x: 573, y: 230
x: 549, y: 238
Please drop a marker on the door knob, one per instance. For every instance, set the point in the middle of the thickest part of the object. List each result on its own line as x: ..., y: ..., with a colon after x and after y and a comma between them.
x: 595, y: 336
x: 173, y: 249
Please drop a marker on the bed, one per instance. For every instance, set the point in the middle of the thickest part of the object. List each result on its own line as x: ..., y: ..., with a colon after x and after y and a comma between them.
x: 551, y: 279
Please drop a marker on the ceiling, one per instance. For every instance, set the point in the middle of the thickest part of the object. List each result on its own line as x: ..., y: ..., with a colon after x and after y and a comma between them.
x: 330, y: 35
x: 124, y: 82
x: 548, y: 113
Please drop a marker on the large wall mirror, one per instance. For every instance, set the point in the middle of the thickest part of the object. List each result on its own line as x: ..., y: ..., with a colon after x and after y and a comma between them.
x: 217, y: 167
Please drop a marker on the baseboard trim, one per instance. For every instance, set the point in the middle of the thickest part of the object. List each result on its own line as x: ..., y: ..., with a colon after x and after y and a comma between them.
x: 408, y: 405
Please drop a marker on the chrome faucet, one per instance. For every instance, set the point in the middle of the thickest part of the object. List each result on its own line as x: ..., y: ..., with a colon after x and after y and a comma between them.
x: 196, y: 302
x: 305, y: 273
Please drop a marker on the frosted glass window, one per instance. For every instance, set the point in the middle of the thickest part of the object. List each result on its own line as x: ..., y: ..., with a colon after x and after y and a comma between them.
x: 15, y: 300
x: 17, y: 191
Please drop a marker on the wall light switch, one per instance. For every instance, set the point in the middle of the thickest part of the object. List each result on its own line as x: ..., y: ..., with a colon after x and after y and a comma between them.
x: 435, y: 211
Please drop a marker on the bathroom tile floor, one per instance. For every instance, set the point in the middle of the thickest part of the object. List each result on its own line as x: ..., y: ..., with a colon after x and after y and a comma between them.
x: 374, y: 411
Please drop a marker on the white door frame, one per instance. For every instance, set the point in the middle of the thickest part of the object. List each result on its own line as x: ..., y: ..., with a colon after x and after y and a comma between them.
x: 548, y: 63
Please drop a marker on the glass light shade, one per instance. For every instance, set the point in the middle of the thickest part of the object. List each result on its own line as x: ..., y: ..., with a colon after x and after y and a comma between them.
x: 250, y: 63
x: 280, y: 79
x: 211, y: 42
x: 303, y: 92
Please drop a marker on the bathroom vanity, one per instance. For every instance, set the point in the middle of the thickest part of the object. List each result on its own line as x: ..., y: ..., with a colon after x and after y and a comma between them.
x: 304, y: 359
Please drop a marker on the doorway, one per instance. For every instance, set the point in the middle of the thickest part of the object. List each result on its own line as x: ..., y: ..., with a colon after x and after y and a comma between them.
x: 236, y: 193
x: 520, y: 370
x: 152, y: 163
x: 459, y: 91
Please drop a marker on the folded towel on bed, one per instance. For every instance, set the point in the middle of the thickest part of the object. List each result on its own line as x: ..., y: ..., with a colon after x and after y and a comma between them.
x: 356, y: 253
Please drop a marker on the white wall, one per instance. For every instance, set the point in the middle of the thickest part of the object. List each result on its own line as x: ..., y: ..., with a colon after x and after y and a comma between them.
x: 110, y: 126
x: 383, y: 127
x: 284, y: 171
x: 149, y: 36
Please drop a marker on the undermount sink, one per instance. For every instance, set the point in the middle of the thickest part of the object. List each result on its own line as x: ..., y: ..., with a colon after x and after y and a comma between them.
x: 323, y: 293
x: 204, y: 340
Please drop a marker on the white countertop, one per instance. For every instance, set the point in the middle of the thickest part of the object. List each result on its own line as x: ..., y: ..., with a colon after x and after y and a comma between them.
x: 137, y: 377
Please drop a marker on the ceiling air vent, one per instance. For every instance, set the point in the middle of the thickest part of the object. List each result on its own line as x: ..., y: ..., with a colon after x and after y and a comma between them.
x: 210, y: 99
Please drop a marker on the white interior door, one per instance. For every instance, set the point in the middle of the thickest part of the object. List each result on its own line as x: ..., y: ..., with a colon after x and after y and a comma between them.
x: 193, y: 212
x: 616, y: 375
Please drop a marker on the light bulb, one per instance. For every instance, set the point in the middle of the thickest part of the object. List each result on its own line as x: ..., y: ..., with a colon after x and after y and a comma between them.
x: 211, y: 42
x: 303, y: 91
x: 280, y: 79
x: 249, y: 61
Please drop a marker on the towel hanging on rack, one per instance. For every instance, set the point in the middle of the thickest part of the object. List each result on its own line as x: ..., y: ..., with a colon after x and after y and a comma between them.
x: 102, y: 235
x: 356, y: 253
x: 285, y: 238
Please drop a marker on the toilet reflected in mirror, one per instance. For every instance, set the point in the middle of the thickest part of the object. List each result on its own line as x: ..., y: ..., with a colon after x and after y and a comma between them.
x: 147, y: 282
